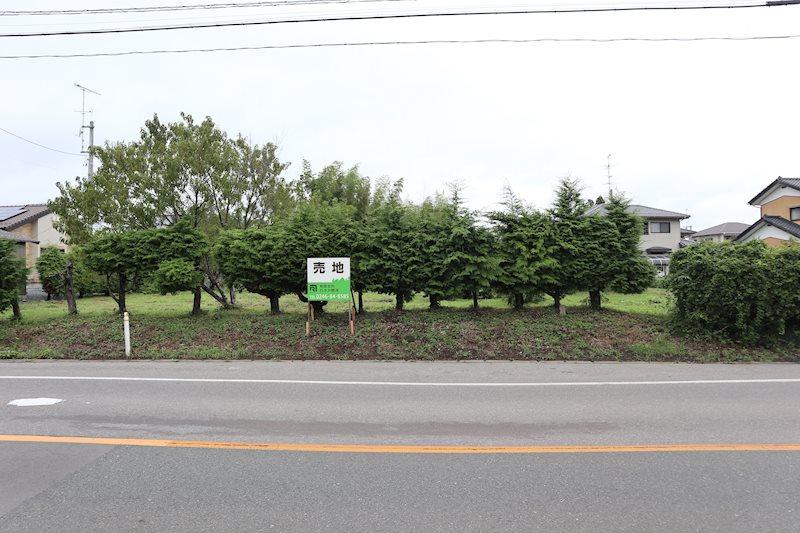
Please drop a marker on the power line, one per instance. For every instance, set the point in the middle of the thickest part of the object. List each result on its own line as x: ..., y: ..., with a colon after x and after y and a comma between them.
x: 37, y: 144
x: 406, y: 16
x: 419, y: 42
x: 182, y: 7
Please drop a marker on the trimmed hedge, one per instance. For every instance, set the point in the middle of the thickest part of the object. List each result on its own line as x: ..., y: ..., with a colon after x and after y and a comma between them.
x: 747, y: 292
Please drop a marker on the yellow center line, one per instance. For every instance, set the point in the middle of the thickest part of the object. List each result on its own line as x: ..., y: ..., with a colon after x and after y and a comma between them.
x: 403, y: 448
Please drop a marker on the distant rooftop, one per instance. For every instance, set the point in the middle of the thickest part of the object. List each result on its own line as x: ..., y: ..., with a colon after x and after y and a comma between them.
x: 726, y: 228
x: 641, y: 210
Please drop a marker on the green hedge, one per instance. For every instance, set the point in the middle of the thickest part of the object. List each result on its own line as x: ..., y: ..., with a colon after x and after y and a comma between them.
x: 747, y: 292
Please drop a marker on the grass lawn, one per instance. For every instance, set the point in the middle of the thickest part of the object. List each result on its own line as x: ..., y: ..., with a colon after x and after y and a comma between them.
x: 631, y: 327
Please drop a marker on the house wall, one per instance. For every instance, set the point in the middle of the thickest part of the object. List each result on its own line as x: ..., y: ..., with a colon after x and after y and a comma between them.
x: 47, y: 235
x: 28, y: 230
x: 714, y: 238
x: 669, y: 240
x: 42, y: 230
x: 772, y: 242
x: 31, y: 255
x: 779, y: 207
x: 770, y: 235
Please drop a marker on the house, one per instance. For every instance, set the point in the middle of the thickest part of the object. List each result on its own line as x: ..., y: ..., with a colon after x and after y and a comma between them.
x: 727, y: 231
x: 779, y: 203
x: 32, y: 227
x: 662, y: 232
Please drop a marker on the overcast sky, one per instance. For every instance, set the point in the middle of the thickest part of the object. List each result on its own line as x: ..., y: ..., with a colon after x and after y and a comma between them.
x: 695, y: 127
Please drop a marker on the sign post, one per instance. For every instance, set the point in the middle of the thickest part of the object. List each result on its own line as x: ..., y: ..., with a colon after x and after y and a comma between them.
x: 328, y: 280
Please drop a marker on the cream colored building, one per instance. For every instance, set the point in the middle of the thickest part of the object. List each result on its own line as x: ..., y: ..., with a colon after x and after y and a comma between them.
x: 662, y: 232
x: 32, y: 226
x: 779, y: 204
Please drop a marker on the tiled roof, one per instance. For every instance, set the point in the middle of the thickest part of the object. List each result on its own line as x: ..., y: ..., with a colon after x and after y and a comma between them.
x: 793, y: 183
x: 641, y: 210
x: 788, y: 226
x: 31, y: 212
x: 781, y: 223
x: 726, y: 228
x: 14, y: 237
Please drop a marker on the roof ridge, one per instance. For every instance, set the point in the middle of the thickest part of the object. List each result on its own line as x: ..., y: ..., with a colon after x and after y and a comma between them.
x: 794, y: 183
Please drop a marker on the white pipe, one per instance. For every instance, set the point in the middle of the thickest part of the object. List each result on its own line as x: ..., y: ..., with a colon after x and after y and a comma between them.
x: 126, y: 326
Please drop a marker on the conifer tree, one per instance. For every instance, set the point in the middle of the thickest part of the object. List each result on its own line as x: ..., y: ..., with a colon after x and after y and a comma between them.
x: 12, y: 277
x: 525, y: 265
x: 563, y: 239
x: 392, y: 261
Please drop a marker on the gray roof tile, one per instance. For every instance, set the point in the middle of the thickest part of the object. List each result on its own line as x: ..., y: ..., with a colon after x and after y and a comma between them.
x: 726, y: 228
x: 641, y: 210
x: 14, y: 237
x: 788, y: 226
x: 793, y: 183
x: 31, y: 212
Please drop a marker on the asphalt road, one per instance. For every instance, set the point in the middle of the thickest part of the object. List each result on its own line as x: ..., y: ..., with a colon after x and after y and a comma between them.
x: 114, y: 487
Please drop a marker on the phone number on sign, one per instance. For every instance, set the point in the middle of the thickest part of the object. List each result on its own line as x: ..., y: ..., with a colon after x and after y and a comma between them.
x: 323, y: 296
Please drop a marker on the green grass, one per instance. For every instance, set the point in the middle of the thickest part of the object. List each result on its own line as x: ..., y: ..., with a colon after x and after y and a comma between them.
x: 631, y: 327
x: 653, y: 302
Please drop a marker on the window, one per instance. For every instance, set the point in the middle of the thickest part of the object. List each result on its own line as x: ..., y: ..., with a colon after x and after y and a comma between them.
x: 659, y: 227
x: 794, y: 213
x: 646, y: 228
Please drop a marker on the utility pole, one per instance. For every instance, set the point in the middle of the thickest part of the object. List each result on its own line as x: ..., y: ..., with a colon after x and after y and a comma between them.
x: 90, y: 127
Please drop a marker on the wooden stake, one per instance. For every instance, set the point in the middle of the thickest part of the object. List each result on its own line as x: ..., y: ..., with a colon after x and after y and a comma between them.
x: 352, y: 314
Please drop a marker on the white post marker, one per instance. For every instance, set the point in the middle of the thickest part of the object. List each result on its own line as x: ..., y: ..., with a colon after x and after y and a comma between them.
x: 126, y: 327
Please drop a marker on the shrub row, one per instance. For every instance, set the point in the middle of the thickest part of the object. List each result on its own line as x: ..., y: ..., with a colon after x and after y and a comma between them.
x: 747, y: 292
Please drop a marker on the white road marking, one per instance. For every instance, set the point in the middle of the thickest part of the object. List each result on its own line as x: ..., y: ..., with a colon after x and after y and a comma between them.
x: 32, y: 402
x: 417, y: 383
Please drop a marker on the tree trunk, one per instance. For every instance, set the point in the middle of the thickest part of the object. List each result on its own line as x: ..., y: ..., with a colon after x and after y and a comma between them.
x: 232, y: 295
x: 594, y: 300
x: 49, y: 297
x: 474, y: 299
x: 556, y: 301
x: 360, y: 302
x: 274, y: 304
x: 434, y: 302
x: 519, y: 301
x: 222, y: 300
x: 198, y: 296
x: 398, y: 301
x: 15, y: 309
x: 123, y: 283
x: 69, y: 291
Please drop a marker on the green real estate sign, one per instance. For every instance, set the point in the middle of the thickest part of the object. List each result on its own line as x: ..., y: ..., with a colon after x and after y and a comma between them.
x: 328, y: 279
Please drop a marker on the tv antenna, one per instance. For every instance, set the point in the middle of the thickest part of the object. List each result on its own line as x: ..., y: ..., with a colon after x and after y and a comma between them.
x: 84, y: 126
x: 608, y: 175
